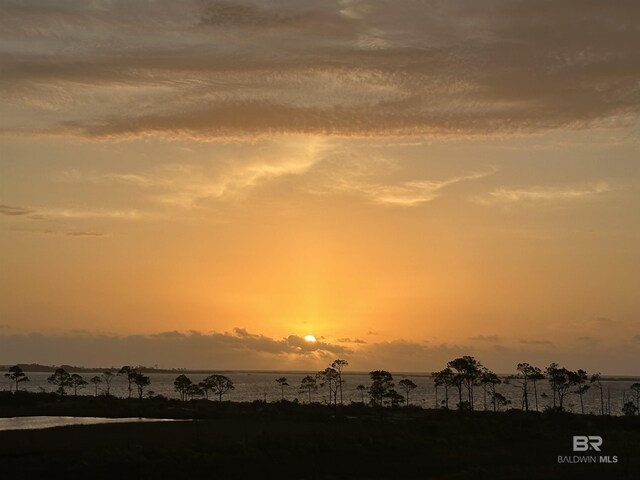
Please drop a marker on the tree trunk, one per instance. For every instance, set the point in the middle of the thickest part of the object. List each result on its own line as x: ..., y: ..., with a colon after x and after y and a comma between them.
x: 484, y: 393
x: 493, y: 397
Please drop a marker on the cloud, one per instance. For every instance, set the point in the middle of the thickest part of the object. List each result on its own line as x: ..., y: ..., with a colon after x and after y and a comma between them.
x: 409, y: 194
x: 64, y: 233
x: 511, y: 195
x: 192, y: 184
x: 43, y: 213
x: 292, y: 344
x: 351, y: 340
x: 535, y: 342
x: 211, y: 70
x: 485, y: 338
x: 408, y: 355
x: 340, y: 173
x: 13, y: 211
x: 240, y: 349
x: 236, y: 349
x: 602, y: 322
x: 228, y: 14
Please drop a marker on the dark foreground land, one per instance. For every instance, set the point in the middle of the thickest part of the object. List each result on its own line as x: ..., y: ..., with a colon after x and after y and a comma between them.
x: 287, y: 440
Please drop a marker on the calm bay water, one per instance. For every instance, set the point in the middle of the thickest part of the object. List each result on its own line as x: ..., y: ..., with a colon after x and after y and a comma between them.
x: 250, y: 386
x: 38, y: 423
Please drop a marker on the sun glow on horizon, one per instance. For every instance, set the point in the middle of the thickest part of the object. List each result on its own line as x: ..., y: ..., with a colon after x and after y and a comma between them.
x: 310, y: 338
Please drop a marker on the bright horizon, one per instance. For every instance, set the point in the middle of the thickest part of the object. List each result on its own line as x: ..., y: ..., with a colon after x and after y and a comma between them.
x: 201, y: 185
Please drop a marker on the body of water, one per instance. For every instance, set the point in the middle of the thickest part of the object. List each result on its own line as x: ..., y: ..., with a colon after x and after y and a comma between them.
x: 38, y: 423
x: 250, y: 386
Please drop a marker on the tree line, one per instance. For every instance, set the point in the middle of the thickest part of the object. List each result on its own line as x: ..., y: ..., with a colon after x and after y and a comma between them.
x: 464, y: 376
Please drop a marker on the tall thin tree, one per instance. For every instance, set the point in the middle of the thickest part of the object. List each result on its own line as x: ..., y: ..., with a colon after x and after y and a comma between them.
x: 96, y: 380
x: 282, y: 381
x: 407, y: 385
x: 17, y: 376
x: 596, y: 380
x: 307, y: 385
x: 107, y: 377
x: 338, y: 366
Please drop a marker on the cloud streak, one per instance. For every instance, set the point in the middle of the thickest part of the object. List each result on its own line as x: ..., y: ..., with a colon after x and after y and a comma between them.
x: 535, y: 342
x: 193, y: 184
x: 536, y: 194
x: 413, y: 193
x: 42, y: 213
x: 64, y: 233
x: 362, y: 178
x: 211, y: 70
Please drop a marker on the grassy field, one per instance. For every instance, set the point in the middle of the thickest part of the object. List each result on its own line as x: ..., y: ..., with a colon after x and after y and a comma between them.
x: 287, y: 440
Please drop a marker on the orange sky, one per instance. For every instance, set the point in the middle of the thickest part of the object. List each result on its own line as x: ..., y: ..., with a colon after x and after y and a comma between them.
x: 244, y: 177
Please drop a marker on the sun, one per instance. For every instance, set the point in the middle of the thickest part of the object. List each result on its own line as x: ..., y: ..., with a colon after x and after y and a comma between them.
x: 310, y: 338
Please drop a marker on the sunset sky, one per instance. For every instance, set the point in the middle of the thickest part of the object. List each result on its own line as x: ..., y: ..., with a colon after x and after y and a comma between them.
x: 201, y: 184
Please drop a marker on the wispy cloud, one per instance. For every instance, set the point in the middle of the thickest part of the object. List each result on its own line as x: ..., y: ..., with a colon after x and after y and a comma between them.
x: 535, y: 194
x: 210, y: 70
x: 193, y: 184
x: 535, y: 342
x: 229, y: 14
x: 41, y: 213
x: 410, y: 194
x: 64, y: 233
x: 19, y: 211
x: 400, y: 194
x: 485, y: 338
